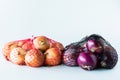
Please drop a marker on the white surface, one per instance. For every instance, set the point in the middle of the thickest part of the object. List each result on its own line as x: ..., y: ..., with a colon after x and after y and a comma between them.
x: 62, y: 20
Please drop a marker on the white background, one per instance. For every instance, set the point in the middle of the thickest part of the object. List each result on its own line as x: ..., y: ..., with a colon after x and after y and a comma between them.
x: 65, y: 21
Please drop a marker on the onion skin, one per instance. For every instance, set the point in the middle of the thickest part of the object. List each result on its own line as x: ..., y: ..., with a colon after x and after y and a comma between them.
x: 70, y: 57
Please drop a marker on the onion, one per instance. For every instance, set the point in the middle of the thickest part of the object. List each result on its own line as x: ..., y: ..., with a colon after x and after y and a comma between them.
x: 94, y: 46
x: 87, y: 60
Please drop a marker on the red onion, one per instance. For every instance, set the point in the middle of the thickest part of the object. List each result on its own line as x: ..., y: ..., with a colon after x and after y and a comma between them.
x: 94, y: 46
x: 87, y: 60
